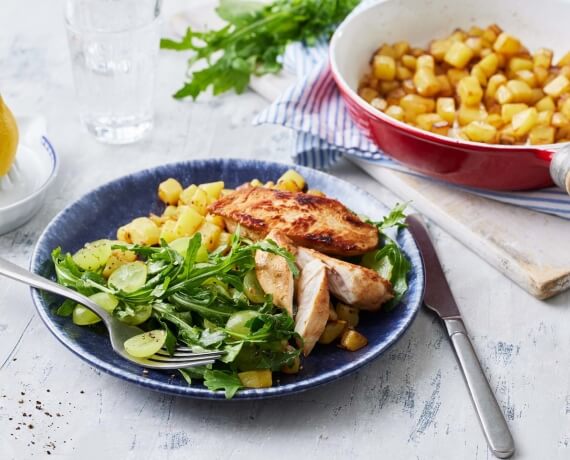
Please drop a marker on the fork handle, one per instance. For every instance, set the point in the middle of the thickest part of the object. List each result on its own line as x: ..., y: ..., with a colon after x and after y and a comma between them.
x: 490, y: 415
x: 22, y: 275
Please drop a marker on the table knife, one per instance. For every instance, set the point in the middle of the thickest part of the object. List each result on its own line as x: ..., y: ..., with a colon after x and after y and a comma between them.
x: 438, y: 298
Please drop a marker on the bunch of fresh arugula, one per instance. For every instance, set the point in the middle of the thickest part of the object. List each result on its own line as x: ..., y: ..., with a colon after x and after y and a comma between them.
x: 253, y: 40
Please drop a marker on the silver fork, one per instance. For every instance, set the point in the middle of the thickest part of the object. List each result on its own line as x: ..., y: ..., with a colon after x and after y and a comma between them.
x: 118, y: 331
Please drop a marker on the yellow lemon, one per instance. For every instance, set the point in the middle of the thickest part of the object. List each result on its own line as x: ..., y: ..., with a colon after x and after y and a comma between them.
x: 8, y: 138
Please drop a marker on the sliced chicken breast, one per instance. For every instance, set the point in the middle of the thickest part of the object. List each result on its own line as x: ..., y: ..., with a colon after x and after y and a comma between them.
x: 274, y: 274
x: 354, y: 285
x: 312, y: 303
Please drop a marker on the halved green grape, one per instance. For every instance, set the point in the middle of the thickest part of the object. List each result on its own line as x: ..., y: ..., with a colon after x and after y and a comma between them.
x: 146, y: 344
x: 237, y: 321
x: 252, y: 288
x: 94, y: 255
x: 141, y: 315
x: 180, y: 245
x: 129, y: 277
x: 84, y: 317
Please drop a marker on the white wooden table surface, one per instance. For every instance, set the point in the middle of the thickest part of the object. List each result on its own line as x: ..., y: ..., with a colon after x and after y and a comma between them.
x: 409, y: 404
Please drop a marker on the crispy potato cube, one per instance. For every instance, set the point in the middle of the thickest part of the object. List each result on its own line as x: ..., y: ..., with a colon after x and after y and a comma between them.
x: 541, y: 135
x: 409, y: 61
x: 409, y: 87
x: 524, y: 121
x: 469, y: 91
x: 332, y: 331
x: 479, y: 74
x: 527, y: 76
x: 394, y: 96
x: 489, y: 64
x: 111, y: 265
x: 445, y: 88
x: 213, y: 189
x: 143, y: 230
x: 509, y: 110
x: 368, y: 94
x: 536, y: 95
x: 210, y: 235
x: 169, y: 191
x: 479, y: 131
x: 259, y: 378
x: 541, y: 75
x: 458, y: 55
x: 564, y: 60
x: 384, y: 67
x: 565, y: 70
x: 458, y: 35
x: 387, y: 86
x: 402, y: 72
x: 506, y: 136
x: 395, y: 111
x: 415, y: 105
x: 158, y: 220
x: 475, y: 31
x: 455, y: 75
x: 292, y: 368
x: 187, y: 194
x: 445, y: 108
x: 352, y: 340
x: 565, y: 108
x: 517, y: 63
x: 216, y: 220
x: 294, y: 176
x: 493, y: 84
x: 491, y: 33
x: 559, y: 120
x: 256, y: 183
x: 387, y: 50
x: 494, y: 119
x: 544, y: 117
x: 379, y: 103
x: 188, y: 222
x: 520, y: 91
x: 467, y: 114
x: 333, y: 316
x: 123, y: 234
x: 224, y: 240
x: 170, y: 212
x: 425, y: 62
x: 401, y: 48
x: 542, y: 58
x: 200, y: 201
x: 556, y: 87
x: 475, y: 43
x: 426, y: 121
x: 507, y: 44
x: 349, y: 314
x: 426, y: 82
x: 168, y: 231
x: 438, y: 48
x: 287, y: 186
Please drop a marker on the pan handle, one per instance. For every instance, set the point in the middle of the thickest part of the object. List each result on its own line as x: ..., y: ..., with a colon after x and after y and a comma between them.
x: 560, y: 168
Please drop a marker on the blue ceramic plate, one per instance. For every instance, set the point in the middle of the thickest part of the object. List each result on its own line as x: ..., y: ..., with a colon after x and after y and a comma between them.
x: 99, y: 213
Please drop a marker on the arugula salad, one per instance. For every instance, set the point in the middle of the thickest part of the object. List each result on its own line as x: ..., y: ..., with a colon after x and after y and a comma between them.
x: 186, y: 274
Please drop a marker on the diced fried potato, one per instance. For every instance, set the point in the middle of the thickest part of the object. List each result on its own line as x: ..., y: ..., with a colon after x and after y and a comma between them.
x: 384, y: 67
x: 524, y: 121
x: 489, y: 64
x: 509, y: 110
x: 541, y: 135
x: 544, y: 117
x: 292, y: 368
x: 520, y: 91
x: 565, y: 108
x: 559, y: 120
x: 507, y: 44
x: 113, y: 262
x: 438, y: 48
x: 169, y: 191
x: 294, y: 176
x: 527, y: 76
x: 224, y: 240
x: 479, y: 131
x: 466, y: 114
x: 170, y: 212
x: 394, y: 96
x: 409, y: 87
x: 542, y: 58
x: 123, y: 234
x: 458, y: 35
x: 475, y: 43
x: 564, y: 60
x: 387, y: 86
x: 188, y: 222
x: 494, y: 119
x: 213, y: 189
x: 402, y: 72
x: 475, y: 31
x: 401, y: 48
x: 259, y: 378
x: 425, y: 62
x: 445, y: 88
x: 556, y: 87
x: 287, y: 186
x: 445, y: 108
x: 395, y: 111
x: 479, y: 74
x: 470, y: 91
x: 216, y: 220
x: 168, y: 231
x: 387, y: 50
x: 210, y: 235
x: 426, y: 121
x: 458, y: 55
x: 426, y: 82
x: 332, y: 331
x: 409, y: 61
x: 455, y: 76
x: 313, y: 191
x: 368, y: 94
x: 200, y: 201
x: 541, y: 75
x: 187, y: 194
x: 379, y: 103
x: 349, y: 314
x: 143, y: 231
x: 415, y: 105
x: 352, y: 340
x: 537, y: 95
x: 517, y: 63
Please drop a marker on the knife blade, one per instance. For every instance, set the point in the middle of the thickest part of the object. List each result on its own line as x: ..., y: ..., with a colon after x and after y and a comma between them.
x: 439, y: 298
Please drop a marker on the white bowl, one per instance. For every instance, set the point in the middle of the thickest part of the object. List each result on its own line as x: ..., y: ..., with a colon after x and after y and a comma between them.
x: 38, y: 166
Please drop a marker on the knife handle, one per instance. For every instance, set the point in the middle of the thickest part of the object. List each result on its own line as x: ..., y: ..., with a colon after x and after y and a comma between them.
x: 490, y: 415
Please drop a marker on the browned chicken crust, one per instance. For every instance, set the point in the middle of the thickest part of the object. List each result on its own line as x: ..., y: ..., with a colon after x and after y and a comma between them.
x: 311, y: 221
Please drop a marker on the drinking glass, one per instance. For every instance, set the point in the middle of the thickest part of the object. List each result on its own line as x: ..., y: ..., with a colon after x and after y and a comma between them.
x: 114, y: 47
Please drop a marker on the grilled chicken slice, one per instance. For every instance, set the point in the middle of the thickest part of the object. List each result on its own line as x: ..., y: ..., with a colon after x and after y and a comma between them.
x: 274, y: 274
x: 311, y: 221
x: 354, y: 285
x: 312, y: 303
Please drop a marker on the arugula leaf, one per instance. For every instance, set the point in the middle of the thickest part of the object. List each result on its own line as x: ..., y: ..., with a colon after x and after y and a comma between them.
x: 222, y: 380
x: 390, y: 261
x: 253, y: 41
x: 66, y: 308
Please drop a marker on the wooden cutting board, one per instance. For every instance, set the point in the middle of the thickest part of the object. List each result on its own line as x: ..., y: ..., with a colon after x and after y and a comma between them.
x: 531, y: 248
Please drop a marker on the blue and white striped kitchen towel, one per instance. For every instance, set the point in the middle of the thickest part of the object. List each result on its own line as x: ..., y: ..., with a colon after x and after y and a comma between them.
x: 314, y: 108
